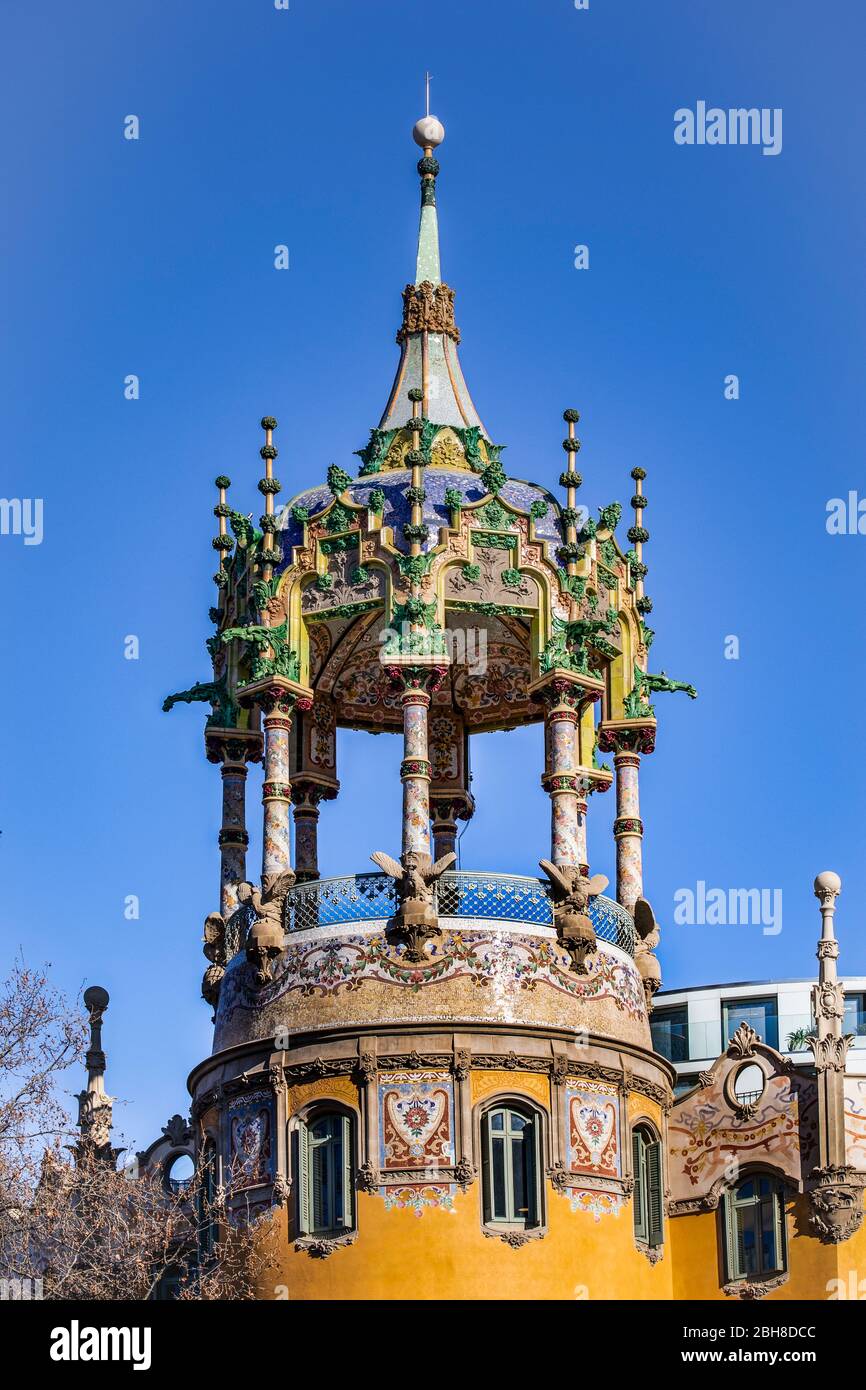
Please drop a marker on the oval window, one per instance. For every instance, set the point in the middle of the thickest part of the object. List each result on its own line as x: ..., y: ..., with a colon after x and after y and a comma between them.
x: 179, y: 1172
x: 749, y: 1084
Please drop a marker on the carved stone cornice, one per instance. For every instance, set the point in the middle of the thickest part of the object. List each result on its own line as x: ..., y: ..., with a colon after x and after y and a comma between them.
x: 509, y: 1061
x: 416, y: 1061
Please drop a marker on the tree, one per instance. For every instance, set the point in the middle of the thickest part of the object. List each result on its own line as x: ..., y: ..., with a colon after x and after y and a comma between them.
x: 68, y: 1217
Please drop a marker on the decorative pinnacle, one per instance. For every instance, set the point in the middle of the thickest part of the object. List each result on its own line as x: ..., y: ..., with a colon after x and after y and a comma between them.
x: 428, y: 132
x: 571, y: 481
x: 94, y: 1106
x: 222, y: 542
x: 638, y: 534
x: 828, y: 886
x: 268, y: 486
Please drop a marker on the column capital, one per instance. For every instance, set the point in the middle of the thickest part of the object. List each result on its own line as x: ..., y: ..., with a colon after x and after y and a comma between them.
x: 233, y: 746
x: 571, y: 690
x: 308, y: 791
x: 451, y: 805
x: 413, y: 676
x: 277, y: 695
x: 627, y: 735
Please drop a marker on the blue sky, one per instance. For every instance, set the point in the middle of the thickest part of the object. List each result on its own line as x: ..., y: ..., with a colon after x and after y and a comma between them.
x: 155, y: 257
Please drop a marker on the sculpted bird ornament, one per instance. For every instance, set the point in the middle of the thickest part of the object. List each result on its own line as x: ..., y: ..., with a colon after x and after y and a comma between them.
x: 571, y: 893
x: 414, y: 878
x: 649, y: 934
x: 266, y: 935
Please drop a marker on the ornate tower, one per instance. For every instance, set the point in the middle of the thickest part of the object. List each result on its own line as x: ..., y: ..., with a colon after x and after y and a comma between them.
x: 467, y: 1048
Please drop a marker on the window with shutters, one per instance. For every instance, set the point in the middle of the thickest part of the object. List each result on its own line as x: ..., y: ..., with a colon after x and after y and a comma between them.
x: 646, y: 1151
x: 754, y: 1216
x: 511, y: 1166
x: 325, y: 1169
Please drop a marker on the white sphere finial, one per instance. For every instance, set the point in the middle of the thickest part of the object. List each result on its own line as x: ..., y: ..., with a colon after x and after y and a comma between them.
x: 827, y: 883
x: 428, y: 132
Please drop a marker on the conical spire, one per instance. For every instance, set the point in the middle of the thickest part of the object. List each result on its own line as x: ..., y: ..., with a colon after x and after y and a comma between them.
x: 428, y: 335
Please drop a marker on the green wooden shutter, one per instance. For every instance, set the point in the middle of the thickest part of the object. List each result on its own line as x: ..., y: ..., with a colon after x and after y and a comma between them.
x: 321, y: 1169
x: 486, y: 1168
x: 637, y: 1158
x: 533, y: 1215
x: 779, y: 1220
x: 347, y: 1192
x: 735, y: 1256
x: 303, y: 1178
x: 654, y: 1222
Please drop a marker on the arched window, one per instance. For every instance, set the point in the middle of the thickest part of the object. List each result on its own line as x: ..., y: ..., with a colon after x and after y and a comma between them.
x: 646, y: 1151
x: 754, y: 1214
x: 325, y: 1188
x: 510, y: 1166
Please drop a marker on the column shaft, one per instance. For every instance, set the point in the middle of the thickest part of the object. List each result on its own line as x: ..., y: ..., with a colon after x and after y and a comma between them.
x: 415, y: 773
x: 233, y: 837
x: 276, y: 836
x: 628, y: 830
x: 567, y: 823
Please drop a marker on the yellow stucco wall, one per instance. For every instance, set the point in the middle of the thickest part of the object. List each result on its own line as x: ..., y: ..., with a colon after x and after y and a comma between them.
x: 445, y: 1255
x: 439, y: 1253
x: 699, y: 1271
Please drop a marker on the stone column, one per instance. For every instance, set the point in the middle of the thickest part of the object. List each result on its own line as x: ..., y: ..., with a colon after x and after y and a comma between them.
x: 450, y: 797
x: 233, y: 837
x: 564, y: 699
x: 444, y: 827
x: 835, y: 1195
x: 416, y: 684
x: 276, y: 790
x: 278, y: 699
x: 306, y: 796
x: 415, y: 771
x: 627, y: 739
x: 233, y: 749
x: 628, y: 830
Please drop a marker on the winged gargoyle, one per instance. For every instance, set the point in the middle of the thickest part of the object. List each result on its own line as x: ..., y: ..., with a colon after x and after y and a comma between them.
x: 415, y: 919
x: 571, y: 895
x: 649, y: 934
x: 214, y: 947
x: 266, y: 936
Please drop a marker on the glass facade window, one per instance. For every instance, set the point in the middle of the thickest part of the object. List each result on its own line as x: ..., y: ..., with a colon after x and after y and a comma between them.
x: 511, y: 1167
x: 760, y: 1014
x: 755, y: 1228
x: 855, y: 1018
x: 670, y: 1032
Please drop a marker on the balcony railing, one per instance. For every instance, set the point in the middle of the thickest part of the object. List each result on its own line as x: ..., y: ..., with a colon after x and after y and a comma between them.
x: 334, y: 902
